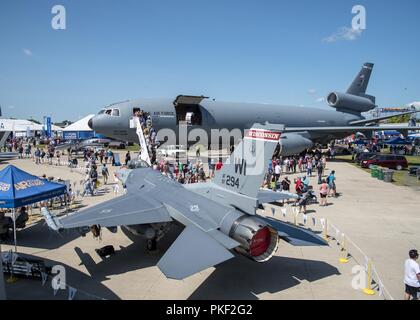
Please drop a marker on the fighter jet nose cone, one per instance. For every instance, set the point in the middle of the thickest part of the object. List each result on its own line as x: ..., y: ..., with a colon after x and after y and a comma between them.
x: 90, y: 124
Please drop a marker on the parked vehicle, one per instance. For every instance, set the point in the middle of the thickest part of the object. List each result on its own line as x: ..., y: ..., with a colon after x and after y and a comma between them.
x: 390, y: 161
x: 173, y: 151
x: 364, y: 156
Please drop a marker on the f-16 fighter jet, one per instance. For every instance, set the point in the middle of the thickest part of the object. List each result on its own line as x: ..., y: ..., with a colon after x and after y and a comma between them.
x: 220, y: 217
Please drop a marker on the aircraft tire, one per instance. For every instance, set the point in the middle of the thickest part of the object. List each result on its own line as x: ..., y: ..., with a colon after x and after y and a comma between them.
x: 151, y: 244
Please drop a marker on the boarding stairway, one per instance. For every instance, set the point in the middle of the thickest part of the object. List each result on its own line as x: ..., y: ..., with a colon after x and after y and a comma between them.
x: 144, y: 147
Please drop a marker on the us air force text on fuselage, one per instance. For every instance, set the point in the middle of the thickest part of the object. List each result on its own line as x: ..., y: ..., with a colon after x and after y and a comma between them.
x: 211, y: 310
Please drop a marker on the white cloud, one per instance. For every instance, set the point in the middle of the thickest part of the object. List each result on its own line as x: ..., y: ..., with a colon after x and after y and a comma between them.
x: 311, y: 91
x: 344, y: 33
x: 27, y: 52
x: 322, y: 99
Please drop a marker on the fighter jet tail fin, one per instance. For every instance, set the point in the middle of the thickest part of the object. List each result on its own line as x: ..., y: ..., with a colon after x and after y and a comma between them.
x: 359, y: 85
x: 244, y: 171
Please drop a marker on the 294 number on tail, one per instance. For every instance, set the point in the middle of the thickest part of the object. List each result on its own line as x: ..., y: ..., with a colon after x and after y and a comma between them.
x: 232, y: 181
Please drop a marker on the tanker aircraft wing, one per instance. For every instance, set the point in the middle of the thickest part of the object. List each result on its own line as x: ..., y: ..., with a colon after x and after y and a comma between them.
x: 349, y: 129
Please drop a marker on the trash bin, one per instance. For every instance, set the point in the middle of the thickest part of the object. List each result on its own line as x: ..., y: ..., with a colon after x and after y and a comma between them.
x: 388, y: 175
x: 381, y: 173
x: 374, y: 171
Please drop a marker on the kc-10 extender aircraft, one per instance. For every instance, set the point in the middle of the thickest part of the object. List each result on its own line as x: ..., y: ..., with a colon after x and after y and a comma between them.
x: 219, y: 216
x: 303, y: 127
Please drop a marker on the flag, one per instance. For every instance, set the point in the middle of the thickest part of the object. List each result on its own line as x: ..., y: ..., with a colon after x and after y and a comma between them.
x: 366, y: 263
x: 284, y: 212
x: 322, y: 220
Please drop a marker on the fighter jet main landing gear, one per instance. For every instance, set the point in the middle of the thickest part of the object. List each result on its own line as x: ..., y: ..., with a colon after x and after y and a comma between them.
x: 151, y: 245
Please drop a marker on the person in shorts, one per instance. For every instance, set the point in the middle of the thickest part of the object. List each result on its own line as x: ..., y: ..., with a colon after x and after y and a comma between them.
x: 323, y: 192
x: 412, y: 276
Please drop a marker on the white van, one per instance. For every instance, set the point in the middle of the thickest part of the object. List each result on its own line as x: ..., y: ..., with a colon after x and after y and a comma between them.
x: 173, y: 151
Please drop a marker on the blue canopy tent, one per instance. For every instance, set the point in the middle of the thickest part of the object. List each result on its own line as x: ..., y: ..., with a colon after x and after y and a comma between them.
x: 19, y: 188
x: 397, y: 141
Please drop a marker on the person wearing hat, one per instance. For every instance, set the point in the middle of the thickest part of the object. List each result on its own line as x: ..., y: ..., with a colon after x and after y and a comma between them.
x: 412, y: 276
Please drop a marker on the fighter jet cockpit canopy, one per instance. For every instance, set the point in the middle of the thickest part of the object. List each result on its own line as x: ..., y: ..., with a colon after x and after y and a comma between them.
x: 137, y: 164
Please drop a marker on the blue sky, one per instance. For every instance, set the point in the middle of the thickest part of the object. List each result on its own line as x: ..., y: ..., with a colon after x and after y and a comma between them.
x: 234, y: 50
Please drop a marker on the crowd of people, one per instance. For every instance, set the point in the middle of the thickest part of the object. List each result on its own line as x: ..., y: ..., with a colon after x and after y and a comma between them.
x: 407, y: 150
x: 305, y: 166
x: 188, y: 172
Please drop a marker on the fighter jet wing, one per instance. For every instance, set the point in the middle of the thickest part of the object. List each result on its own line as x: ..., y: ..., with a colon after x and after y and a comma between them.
x: 348, y: 129
x: 126, y: 210
x: 192, y: 252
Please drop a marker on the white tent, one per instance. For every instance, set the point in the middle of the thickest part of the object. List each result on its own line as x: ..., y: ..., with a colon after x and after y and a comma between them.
x: 79, y: 130
x: 20, y: 127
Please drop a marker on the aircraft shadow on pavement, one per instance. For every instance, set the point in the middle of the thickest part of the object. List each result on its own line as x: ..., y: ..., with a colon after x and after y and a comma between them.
x: 241, y: 278
x: 40, y: 236
x: 131, y: 258
x: 238, y: 278
x: 31, y: 289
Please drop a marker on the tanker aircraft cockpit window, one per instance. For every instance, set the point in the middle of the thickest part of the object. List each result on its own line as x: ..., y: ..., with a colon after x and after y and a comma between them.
x: 110, y: 112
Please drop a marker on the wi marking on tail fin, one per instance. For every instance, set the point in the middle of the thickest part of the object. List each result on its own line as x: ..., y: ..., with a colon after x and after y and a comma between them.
x: 240, y: 166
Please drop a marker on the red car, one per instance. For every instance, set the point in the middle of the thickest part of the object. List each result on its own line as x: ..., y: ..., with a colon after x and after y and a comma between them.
x: 390, y: 161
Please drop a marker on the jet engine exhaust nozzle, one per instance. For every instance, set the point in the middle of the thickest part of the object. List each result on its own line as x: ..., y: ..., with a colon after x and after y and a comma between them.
x: 258, y: 240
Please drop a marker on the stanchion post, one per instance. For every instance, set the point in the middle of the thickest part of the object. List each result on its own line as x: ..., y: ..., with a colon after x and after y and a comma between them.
x: 344, y: 259
x: 326, y: 230
x: 368, y: 290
